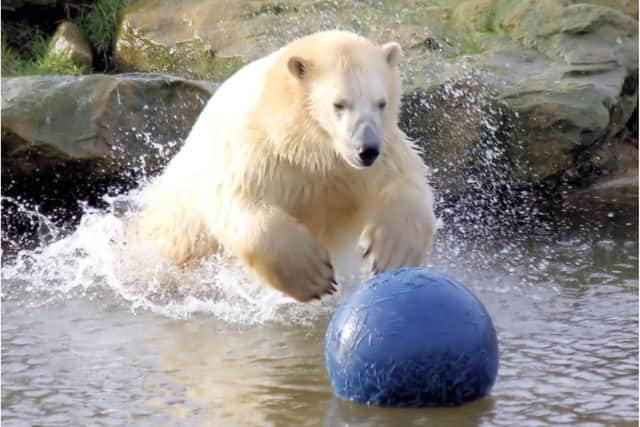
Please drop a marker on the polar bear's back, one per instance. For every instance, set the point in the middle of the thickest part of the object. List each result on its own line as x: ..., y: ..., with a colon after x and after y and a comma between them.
x: 233, y: 100
x: 226, y: 112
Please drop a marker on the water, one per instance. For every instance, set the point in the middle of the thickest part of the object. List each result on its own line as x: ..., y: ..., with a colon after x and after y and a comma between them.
x: 88, y: 341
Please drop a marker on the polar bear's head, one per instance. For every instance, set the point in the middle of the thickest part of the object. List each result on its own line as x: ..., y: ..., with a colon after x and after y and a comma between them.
x: 352, y: 91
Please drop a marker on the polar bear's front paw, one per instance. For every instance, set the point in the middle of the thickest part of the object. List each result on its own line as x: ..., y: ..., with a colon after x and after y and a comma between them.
x: 297, y: 265
x: 309, y: 280
x: 393, y: 244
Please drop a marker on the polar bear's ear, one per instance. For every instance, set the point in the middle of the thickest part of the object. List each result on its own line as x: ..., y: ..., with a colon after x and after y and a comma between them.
x: 392, y: 53
x: 298, y: 66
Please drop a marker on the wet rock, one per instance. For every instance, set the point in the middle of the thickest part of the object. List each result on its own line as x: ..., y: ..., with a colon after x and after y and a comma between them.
x: 69, y: 41
x: 618, y: 181
x: 579, y: 94
x: 623, y: 189
x: 67, y: 141
x: 566, y: 72
x: 469, y: 154
x: 105, y: 126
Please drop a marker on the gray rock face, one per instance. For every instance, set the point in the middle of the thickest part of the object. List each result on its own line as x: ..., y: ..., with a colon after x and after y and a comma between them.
x: 111, y: 125
x: 69, y: 140
x: 69, y: 41
x: 571, y: 78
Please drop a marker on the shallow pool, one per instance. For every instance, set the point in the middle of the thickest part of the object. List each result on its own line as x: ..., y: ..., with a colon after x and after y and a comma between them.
x: 80, y: 348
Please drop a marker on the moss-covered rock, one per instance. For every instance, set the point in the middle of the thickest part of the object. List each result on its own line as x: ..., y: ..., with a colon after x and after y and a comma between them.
x: 69, y: 42
x: 211, y: 39
x: 190, y: 58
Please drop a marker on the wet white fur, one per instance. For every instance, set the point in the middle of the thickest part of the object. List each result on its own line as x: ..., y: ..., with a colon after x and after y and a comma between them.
x: 263, y: 180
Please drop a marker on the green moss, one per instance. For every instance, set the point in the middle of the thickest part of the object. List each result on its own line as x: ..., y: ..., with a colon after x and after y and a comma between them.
x: 33, y: 59
x: 470, y: 47
x: 60, y: 64
x: 191, y: 59
x: 11, y: 61
x: 98, y: 22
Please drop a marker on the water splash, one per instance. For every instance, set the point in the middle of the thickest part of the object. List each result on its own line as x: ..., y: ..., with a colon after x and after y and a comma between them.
x: 47, y: 229
x: 92, y: 262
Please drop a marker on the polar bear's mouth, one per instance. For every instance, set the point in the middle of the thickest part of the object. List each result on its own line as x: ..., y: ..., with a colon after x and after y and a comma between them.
x: 355, y: 160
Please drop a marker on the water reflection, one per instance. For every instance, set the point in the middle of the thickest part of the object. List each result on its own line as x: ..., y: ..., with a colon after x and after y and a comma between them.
x: 339, y: 413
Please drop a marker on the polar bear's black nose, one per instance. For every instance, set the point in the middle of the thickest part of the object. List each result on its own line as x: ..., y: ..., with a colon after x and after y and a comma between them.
x: 370, y: 148
x: 368, y: 155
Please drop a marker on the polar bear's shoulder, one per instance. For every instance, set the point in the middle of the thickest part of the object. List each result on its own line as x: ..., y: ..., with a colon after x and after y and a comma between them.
x: 229, y: 106
x: 240, y: 92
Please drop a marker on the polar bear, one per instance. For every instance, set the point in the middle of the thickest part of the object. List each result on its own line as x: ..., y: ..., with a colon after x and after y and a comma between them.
x: 295, y: 157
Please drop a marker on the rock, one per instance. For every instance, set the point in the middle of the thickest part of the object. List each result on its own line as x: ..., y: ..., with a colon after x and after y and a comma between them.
x: 565, y: 73
x: 574, y: 88
x: 524, y: 91
x: 69, y: 41
x: 466, y: 154
x: 69, y: 140
x: 105, y: 126
x: 621, y: 187
x: 212, y: 39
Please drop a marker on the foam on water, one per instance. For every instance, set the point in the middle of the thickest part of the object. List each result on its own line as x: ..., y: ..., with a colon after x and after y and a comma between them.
x: 90, y: 262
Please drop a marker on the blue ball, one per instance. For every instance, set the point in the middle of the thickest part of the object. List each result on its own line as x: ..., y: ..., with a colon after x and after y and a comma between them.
x: 411, y: 337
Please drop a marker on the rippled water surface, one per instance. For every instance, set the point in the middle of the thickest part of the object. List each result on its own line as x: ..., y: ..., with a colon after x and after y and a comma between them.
x: 80, y: 347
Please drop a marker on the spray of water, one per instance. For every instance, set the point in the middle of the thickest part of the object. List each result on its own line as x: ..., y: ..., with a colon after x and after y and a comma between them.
x: 94, y: 262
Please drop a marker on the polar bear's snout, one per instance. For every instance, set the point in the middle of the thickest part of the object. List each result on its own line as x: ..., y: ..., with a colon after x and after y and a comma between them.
x: 369, y: 148
x: 367, y: 142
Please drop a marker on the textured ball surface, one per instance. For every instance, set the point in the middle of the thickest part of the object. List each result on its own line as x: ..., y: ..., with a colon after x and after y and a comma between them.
x: 411, y: 337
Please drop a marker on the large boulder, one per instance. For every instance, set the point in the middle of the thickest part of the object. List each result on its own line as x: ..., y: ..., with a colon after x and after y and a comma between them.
x: 568, y: 72
x: 69, y: 140
x: 110, y: 125
x: 523, y: 92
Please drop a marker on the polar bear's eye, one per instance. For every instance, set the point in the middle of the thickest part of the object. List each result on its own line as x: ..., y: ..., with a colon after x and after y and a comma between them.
x: 338, y: 106
x: 382, y: 104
